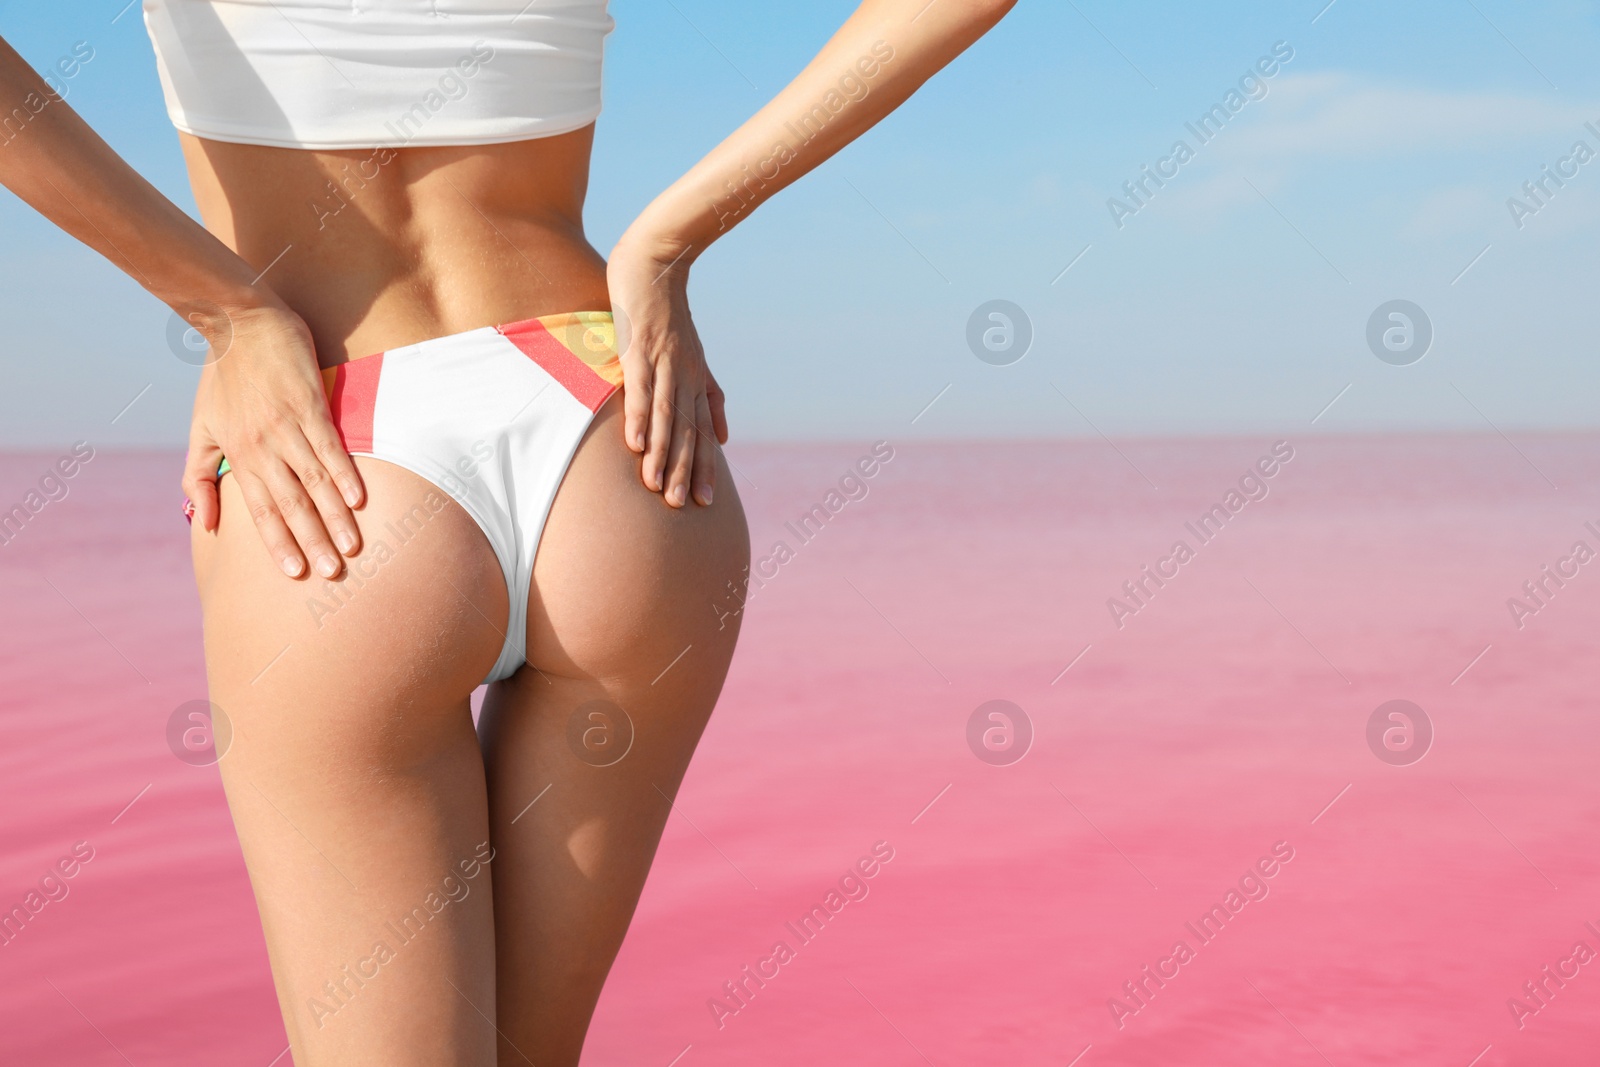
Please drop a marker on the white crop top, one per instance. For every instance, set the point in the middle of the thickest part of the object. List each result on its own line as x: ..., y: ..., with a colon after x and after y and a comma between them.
x: 331, y: 74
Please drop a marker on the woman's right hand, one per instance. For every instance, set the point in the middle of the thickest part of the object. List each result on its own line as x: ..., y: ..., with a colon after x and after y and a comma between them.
x: 260, y: 403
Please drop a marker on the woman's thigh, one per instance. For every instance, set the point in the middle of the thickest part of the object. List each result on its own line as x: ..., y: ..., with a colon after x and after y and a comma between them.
x: 632, y: 622
x: 354, y: 775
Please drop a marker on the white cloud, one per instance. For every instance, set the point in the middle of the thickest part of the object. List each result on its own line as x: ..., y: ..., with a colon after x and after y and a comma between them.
x: 1338, y: 114
x: 1571, y: 212
x: 1311, y: 120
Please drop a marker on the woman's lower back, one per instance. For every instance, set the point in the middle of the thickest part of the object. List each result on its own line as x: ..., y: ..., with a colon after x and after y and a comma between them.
x: 378, y: 248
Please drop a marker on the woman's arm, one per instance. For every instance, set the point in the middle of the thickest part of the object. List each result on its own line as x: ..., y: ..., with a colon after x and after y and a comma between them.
x: 262, y: 404
x: 881, y: 55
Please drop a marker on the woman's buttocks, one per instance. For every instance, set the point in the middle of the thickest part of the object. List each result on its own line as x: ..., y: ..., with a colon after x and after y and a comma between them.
x: 379, y: 247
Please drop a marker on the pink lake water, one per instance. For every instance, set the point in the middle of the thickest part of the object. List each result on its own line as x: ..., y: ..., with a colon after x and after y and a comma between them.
x: 1226, y: 718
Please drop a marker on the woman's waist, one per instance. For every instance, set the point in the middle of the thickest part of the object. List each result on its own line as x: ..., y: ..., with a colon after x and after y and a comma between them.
x: 384, y: 297
x: 383, y: 247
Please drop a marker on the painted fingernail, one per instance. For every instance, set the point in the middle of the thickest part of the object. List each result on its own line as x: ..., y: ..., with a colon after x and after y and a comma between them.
x: 327, y: 566
x: 291, y: 566
x: 677, y: 495
x: 346, y: 542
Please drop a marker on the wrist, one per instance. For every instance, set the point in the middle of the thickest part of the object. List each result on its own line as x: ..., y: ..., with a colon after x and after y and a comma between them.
x: 217, y: 311
x: 666, y: 247
x: 658, y: 256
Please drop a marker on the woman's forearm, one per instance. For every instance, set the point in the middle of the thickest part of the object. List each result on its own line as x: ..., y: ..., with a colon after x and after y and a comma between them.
x: 883, y: 54
x: 53, y: 161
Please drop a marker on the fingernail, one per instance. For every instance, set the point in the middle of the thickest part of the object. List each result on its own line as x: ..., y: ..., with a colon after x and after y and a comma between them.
x: 291, y: 566
x: 705, y: 495
x: 676, y: 496
x: 656, y: 481
x: 346, y: 542
x: 327, y: 566
x: 351, y: 496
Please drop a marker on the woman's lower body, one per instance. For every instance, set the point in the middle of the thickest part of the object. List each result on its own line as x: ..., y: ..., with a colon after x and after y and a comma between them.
x: 431, y: 894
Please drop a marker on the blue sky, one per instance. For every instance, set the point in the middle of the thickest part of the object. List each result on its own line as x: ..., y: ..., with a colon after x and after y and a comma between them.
x: 1376, y: 167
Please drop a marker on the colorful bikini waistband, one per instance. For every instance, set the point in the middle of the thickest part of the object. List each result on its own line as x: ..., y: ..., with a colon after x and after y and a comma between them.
x: 577, y: 348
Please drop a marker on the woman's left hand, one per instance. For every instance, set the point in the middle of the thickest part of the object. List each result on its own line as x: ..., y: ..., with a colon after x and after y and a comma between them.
x: 673, y: 407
